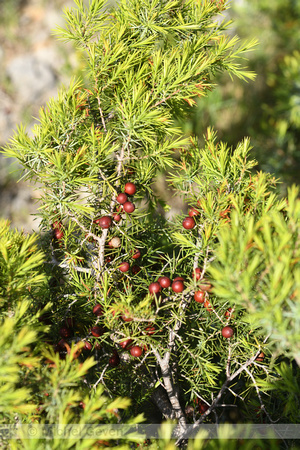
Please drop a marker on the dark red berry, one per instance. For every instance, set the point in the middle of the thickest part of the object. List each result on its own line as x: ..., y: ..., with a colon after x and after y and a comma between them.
x: 124, y: 267
x: 117, y: 217
x: 122, y: 198
x: 128, y: 207
x: 135, y: 269
x: 150, y: 330
x: 260, y: 357
x: 114, y: 360
x: 104, y: 222
x: 126, y: 344
x: 197, y: 273
x: 98, y: 310
x: 130, y: 188
x: 177, y: 286
x: 193, y: 212
x: 154, y: 288
x: 97, y: 331
x: 136, y: 254
x: 136, y: 351
x: 65, y: 332
x: 178, y: 279
x: 188, y: 223
x: 227, y: 332
x: 228, y: 313
x: 199, y: 296
x: 87, y: 345
x: 165, y: 282
x: 207, y: 305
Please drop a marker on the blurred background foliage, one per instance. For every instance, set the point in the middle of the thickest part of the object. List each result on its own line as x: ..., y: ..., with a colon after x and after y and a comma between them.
x: 267, y: 109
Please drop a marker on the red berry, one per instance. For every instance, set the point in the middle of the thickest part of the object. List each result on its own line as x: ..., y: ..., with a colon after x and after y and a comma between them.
x: 203, y: 407
x: 199, y: 296
x: 135, y: 269
x: 126, y: 344
x: 165, y: 282
x: 59, y: 234
x: 208, y: 305
x: 136, y: 351
x: 122, y: 198
x: 65, y: 332
x: 205, y: 287
x: 98, y: 310
x: 228, y: 313
x: 154, y: 288
x: 197, y: 273
x: 178, y: 279
x: 188, y: 223
x: 150, y: 330
x: 130, y: 188
x: 114, y: 360
x: 177, y: 286
x: 128, y: 207
x: 97, y: 331
x: 227, y: 332
x: 124, y: 267
x: 117, y: 217
x: 260, y: 357
x: 126, y: 317
x: 193, y: 212
x: 104, y: 222
x: 136, y: 254
x: 87, y: 345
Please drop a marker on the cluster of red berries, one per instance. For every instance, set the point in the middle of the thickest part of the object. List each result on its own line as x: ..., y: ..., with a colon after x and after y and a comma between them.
x: 105, y: 222
x: 189, y: 222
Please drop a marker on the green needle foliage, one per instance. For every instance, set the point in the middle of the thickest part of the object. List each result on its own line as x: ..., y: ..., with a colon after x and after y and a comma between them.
x: 97, y: 149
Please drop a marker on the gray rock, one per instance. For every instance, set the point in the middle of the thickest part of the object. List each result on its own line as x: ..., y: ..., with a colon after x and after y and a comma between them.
x: 31, y: 77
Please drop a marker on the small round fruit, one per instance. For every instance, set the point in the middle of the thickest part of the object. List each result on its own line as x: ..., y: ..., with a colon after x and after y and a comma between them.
x: 203, y: 407
x: 122, y: 198
x: 104, y: 222
x: 117, y: 217
x: 199, y: 296
x: 150, y: 330
x: 96, y: 331
x: 130, y: 188
x: 136, y: 351
x: 98, y: 310
x: 179, y: 279
x: 228, y: 313
x: 126, y: 344
x: 114, y: 360
x: 165, y: 282
x: 124, y: 267
x: 188, y: 223
x: 115, y: 242
x: 227, y: 332
x: 128, y: 207
x: 205, y: 287
x: 126, y: 317
x: 135, y: 269
x: 65, y: 332
x: 87, y: 345
x: 193, y: 212
x: 207, y: 305
x: 260, y: 357
x: 154, y: 288
x: 59, y: 234
x: 136, y: 254
x: 177, y: 286
x: 197, y: 273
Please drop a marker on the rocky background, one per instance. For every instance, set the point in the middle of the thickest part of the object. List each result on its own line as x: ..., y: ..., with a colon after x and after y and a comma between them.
x: 34, y: 64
